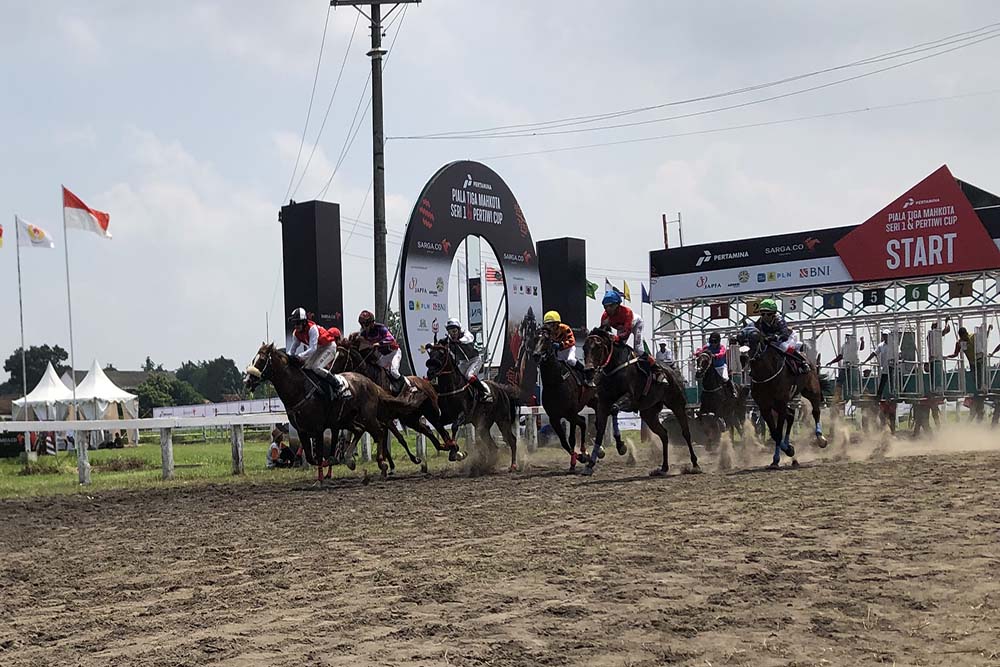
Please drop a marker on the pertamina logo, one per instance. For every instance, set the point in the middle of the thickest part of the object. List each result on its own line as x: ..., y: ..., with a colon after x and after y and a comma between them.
x: 707, y: 256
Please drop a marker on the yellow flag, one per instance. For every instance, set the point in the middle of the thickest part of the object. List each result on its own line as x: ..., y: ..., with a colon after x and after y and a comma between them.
x: 626, y: 293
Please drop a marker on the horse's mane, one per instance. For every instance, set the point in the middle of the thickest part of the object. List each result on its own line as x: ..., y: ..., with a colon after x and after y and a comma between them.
x: 602, y: 332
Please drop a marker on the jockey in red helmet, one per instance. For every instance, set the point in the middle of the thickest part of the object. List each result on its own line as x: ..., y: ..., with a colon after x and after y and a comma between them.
x: 387, y: 353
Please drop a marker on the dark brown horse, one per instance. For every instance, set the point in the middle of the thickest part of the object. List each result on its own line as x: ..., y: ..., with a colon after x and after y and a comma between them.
x: 355, y: 354
x: 775, y: 389
x: 460, y: 405
x: 564, y: 395
x: 311, y: 413
x: 717, y: 400
x: 616, y: 370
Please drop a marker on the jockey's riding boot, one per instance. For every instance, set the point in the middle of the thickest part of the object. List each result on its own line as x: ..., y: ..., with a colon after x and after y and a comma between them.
x: 340, y: 387
x: 485, y: 394
x: 397, y: 384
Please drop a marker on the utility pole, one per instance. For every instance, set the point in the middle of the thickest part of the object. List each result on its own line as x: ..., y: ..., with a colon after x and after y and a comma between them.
x: 378, y: 140
x: 680, y: 230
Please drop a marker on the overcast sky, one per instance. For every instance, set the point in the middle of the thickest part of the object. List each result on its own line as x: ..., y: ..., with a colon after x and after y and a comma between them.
x: 183, y: 120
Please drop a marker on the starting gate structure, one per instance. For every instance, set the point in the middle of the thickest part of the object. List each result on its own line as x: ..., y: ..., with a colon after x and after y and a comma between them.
x: 909, y: 278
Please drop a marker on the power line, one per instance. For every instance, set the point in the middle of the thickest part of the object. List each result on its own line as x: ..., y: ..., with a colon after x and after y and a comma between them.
x: 329, y: 105
x: 745, y: 126
x: 498, y: 132
x: 352, y: 132
x: 312, y: 95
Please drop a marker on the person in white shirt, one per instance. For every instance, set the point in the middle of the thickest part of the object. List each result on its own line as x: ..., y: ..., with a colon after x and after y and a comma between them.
x: 886, y: 357
x: 664, y: 356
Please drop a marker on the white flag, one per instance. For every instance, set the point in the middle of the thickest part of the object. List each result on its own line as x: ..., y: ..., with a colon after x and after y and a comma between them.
x: 29, y: 235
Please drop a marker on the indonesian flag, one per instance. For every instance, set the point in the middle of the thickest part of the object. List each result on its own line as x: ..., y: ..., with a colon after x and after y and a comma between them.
x: 30, y: 236
x: 78, y: 215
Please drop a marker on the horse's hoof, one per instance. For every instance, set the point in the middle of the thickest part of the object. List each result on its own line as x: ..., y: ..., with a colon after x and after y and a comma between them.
x: 622, y: 448
x: 695, y: 469
x: 415, y: 460
x: 512, y: 468
x: 367, y: 479
x: 657, y: 472
x: 791, y: 450
x: 795, y: 464
x: 774, y: 466
x: 350, y: 463
x: 588, y: 471
x: 423, y: 468
x: 583, y: 458
x: 600, y: 453
x: 456, y: 455
x: 821, y: 440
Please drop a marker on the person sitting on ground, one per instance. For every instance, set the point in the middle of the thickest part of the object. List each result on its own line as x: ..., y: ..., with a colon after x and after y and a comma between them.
x: 279, y: 454
x: 563, y: 340
x: 316, y: 347
x: 462, y: 345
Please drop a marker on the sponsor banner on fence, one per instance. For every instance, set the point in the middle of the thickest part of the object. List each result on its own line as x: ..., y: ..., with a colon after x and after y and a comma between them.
x: 751, y: 279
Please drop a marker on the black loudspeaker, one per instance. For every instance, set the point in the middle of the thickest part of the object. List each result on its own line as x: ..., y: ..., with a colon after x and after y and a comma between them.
x: 562, y: 267
x: 310, y: 247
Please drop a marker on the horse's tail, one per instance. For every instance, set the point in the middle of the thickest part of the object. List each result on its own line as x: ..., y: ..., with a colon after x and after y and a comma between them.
x: 515, y: 397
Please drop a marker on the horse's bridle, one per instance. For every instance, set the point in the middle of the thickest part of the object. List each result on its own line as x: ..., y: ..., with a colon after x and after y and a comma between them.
x: 759, y: 346
x: 611, y: 352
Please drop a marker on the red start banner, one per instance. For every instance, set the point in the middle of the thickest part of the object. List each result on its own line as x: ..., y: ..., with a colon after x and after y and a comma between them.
x: 932, y: 229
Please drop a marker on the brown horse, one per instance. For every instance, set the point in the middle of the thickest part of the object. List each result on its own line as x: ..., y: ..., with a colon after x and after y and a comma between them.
x: 775, y: 389
x: 459, y: 405
x: 564, y: 395
x: 354, y: 354
x: 616, y: 370
x: 311, y: 413
x: 717, y: 400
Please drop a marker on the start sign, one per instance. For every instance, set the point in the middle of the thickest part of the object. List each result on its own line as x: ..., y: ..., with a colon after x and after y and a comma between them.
x: 931, y: 229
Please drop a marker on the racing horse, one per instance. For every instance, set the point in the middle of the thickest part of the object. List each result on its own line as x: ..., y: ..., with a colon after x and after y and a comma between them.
x: 461, y: 405
x: 775, y: 389
x: 354, y: 354
x: 614, y: 368
x: 717, y: 401
x: 564, y: 394
x: 312, y: 413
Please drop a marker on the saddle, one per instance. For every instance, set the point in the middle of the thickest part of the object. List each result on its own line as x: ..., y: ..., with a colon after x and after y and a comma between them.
x: 327, y: 384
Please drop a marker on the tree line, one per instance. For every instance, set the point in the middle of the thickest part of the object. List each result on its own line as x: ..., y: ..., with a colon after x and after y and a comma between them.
x: 193, y: 382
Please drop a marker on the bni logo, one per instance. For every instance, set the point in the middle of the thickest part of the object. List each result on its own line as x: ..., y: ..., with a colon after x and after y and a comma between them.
x: 706, y: 257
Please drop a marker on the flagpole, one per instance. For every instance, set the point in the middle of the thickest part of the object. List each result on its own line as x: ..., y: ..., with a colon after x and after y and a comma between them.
x: 82, y: 464
x: 20, y: 312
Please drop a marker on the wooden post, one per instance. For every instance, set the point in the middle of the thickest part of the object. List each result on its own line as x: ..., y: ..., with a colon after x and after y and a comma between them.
x: 167, y: 452
x: 237, y: 449
x: 531, y: 433
x: 421, y: 446
x: 366, y: 448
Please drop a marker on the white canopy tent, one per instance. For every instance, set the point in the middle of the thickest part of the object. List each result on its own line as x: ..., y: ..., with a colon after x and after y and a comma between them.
x: 49, y: 400
x: 99, y: 398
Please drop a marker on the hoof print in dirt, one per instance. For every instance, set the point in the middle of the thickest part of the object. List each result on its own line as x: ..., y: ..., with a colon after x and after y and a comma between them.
x: 693, y: 470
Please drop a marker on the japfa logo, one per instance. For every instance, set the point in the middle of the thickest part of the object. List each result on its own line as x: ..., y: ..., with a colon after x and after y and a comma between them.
x: 426, y: 214
x: 814, y: 271
x: 704, y: 283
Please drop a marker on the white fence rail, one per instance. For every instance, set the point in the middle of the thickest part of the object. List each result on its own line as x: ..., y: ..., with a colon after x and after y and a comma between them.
x: 236, y: 423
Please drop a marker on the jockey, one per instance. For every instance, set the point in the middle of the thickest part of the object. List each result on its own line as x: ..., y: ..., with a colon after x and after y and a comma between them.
x: 772, y: 325
x: 623, y: 320
x: 462, y: 345
x: 563, y: 340
x: 719, y: 355
x: 388, y: 354
x: 315, y: 346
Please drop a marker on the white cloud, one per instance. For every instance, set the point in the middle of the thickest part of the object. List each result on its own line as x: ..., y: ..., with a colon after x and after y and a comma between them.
x: 80, y: 35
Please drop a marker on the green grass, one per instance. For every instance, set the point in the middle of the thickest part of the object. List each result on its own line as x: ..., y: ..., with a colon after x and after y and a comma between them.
x: 140, y: 468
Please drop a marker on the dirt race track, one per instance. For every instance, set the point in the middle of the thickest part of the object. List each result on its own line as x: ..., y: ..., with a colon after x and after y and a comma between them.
x: 893, y: 560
